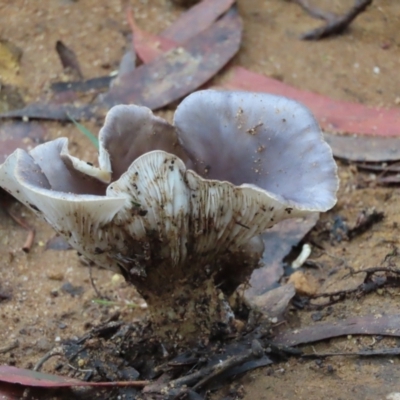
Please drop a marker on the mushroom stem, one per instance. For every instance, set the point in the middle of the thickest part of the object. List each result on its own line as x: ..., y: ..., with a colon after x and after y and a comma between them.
x: 187, y: 310
x: 188, y: 305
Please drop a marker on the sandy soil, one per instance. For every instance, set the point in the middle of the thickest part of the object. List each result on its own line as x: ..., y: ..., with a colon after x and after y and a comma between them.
x: 360, y: 66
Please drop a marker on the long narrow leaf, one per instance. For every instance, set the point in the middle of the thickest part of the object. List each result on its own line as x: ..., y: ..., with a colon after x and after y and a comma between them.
x: 85, y: 131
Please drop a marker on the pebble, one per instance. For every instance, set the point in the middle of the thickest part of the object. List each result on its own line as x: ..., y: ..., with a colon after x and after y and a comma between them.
x: 117, y: 278
x: 55, y: 275
x: 304, y: 284
x: 377, y: 70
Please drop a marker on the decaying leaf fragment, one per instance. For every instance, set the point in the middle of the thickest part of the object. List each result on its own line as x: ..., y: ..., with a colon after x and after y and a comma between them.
x: 179, y: 208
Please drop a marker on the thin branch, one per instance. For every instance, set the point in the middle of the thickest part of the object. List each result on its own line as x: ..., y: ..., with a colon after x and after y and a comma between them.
x: 335, y: 24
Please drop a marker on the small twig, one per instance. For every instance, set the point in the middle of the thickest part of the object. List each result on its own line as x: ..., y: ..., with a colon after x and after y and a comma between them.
x: 256, y: 352
x: 373, y: 270
x: 339, y: 293
x: 279, y: 350
x: 19, y: 221
x: 367, y: 286
x: 29, y: 241
x: 9, y: 347
x: 335, y: 24
x: 180, y: 387
x: 384, y: 168
x: 98, y: 294
x: 101, y: 330
x: 56, y: 351
x: 222, y: 367
x: 31, y: 232
x: 365, y: 220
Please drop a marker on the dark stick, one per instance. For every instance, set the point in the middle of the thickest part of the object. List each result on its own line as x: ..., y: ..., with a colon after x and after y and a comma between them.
x: 98, y: 294
x: 373, y: 270
x: 366, y: 287
x: 395, y: 351
x: 335, y: 24
x: 180, y: 387
x: 256, y: 352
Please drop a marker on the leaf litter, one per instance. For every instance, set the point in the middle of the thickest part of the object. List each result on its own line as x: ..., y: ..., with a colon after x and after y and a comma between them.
x: 207, y: 49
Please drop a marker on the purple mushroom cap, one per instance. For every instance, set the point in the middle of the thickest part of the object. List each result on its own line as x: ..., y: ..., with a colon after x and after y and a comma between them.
x: 233, y: 165
x: 259, y: 139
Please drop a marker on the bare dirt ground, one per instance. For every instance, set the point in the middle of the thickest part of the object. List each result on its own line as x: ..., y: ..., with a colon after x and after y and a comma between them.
x: 361, y: 65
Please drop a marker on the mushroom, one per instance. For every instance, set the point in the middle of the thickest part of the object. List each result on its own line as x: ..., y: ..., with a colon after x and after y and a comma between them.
x: 178, y: 209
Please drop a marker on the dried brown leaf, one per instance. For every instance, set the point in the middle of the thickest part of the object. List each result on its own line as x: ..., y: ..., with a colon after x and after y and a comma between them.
x: 384, y: 325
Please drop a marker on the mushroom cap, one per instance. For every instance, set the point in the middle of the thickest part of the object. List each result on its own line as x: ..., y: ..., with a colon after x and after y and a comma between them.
x: 161, y: 208
x: 70, y: 213
x: 259, y: 139
x: 131, y: 131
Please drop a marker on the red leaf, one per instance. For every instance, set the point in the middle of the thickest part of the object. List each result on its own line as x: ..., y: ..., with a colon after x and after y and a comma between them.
x: 30, y: 378
x: 180, y: 71
x: 148, y: 46
x: 27, y: 377
x: 197, y: 19
x: 333, y: 115
x: 191, y: 23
